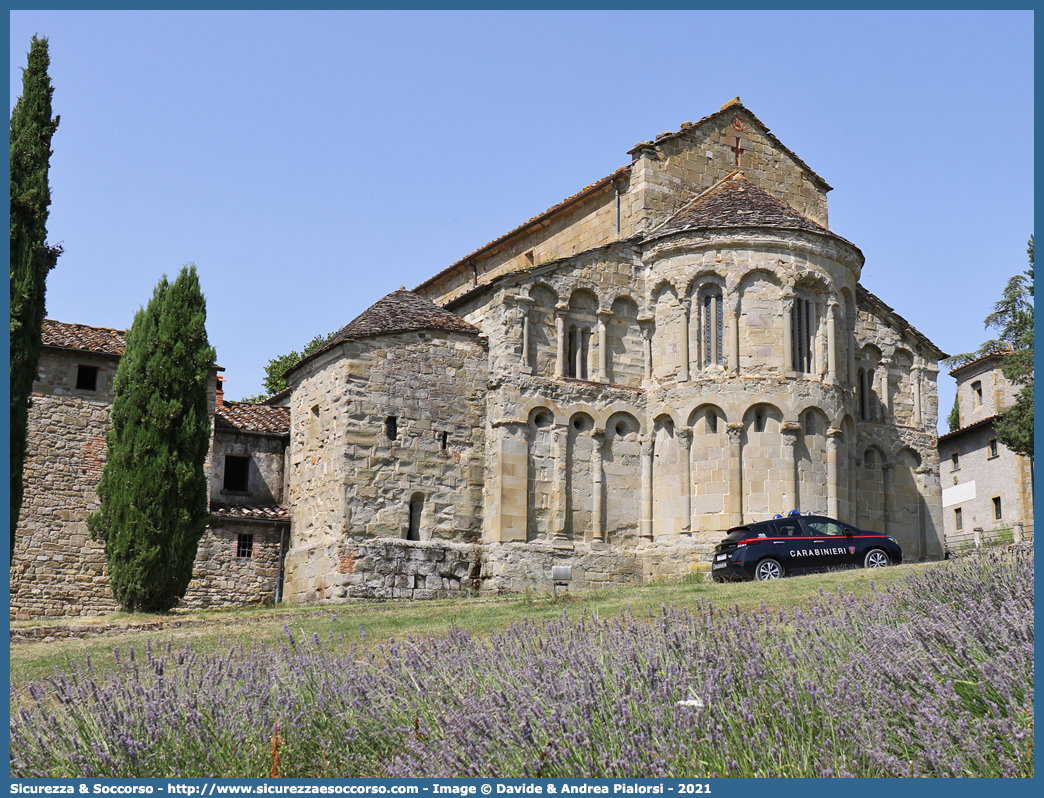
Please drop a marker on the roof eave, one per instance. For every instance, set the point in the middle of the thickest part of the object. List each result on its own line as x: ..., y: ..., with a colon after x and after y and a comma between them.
x: 536, y: 221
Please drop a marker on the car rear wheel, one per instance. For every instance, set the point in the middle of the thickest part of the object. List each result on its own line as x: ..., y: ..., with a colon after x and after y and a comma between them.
x: 875, y: 558
x: 768, y: 569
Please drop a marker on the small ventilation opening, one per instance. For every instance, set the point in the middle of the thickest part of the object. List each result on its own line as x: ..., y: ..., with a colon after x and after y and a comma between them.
x: 87, y: 378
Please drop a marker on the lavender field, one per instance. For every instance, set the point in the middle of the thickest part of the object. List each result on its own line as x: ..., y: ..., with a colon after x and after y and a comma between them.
x: 932, y: 676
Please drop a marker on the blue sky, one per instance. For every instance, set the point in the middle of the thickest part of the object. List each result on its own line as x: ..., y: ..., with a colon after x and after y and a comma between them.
x: 309, y: 163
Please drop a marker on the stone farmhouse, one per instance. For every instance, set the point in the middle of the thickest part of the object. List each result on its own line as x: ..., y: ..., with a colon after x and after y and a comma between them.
x: 677, y: 348
x: 57, y: 568
x: 987, y: 488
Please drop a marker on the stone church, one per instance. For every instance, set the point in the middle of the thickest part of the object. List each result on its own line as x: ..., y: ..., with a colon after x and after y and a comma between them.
x: 679, y: 347
x: 675, y: 349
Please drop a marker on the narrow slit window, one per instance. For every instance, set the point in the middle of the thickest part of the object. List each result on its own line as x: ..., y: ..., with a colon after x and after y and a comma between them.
x: 416, y: 508
x: 955, y: 461
x: 958, y: 519
x: 997, y: 513
x: 712, y: 421
x: 993, y: 447
x: 445, y: 437
x: 391, y: 427
x: 713, y: 329
x: 801, y: 335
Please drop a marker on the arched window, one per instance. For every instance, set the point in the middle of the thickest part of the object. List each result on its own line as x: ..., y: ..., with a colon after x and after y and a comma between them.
x: 861, y: 388
x: 712, y: 328
x: 579, y: 340
x: 801, y: 335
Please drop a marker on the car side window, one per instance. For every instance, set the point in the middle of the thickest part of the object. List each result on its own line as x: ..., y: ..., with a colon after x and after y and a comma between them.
x: 825, y: 527
x: 788, y: 529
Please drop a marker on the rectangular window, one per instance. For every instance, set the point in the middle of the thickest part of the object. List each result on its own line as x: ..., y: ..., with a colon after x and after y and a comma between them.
x: 997, y: 514
x: 955, y: 460
x: 958, y: 519
x: 237, y: 473
x: 992, y: 447
x: 245, y: 546
x: 86, y: 378
x: 977, y: 390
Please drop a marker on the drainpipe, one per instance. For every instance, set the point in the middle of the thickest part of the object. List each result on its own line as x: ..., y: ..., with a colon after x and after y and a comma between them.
x: 279, y: 580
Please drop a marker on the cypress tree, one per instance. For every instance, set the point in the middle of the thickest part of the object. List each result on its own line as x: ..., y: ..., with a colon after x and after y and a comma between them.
x: 153, y: 488
x: 31, y: 257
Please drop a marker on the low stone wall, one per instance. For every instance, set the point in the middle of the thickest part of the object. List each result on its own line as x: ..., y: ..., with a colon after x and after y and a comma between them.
x: 385, y: 569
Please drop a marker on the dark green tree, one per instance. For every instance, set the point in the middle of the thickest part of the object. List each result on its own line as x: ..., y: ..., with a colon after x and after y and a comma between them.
x: 278, y: 366
x: 954, y: 419
x: 153, y: 488
x: 31, y: 257
x: 1012, y: 318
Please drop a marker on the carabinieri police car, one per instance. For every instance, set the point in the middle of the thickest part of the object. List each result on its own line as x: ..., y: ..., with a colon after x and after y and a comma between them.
x: 770, y: 549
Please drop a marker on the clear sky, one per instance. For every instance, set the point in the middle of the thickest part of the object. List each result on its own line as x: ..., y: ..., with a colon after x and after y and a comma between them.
x: 309, y: 163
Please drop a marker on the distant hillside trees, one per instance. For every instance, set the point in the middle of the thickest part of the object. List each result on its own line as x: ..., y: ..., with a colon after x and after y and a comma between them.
x: 31, y: 257
x: 154, y: 489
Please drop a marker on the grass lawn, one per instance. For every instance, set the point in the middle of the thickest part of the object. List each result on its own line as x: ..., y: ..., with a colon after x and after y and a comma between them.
x: 207, y: 631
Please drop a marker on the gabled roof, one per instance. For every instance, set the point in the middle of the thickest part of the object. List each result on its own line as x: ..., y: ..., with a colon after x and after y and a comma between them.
x: 977, y: 425
x: 400, y: 311
x: 730, y: 108
x: 736, y: 202
x: 249, y: 417
x: 875, y: 305
x: 582, y: 194
x: 980, y: 360
x: 103, y: 340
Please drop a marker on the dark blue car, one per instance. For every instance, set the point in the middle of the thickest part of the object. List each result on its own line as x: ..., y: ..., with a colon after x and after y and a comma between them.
x: 771, y: 549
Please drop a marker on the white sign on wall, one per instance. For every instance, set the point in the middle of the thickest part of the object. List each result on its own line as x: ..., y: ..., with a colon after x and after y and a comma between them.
x: 958, y: 494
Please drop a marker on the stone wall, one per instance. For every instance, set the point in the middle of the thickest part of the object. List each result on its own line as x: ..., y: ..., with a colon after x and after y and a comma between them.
x: 387, y: 441
x: 387, y: 569
x: 672, y: 169
x: 221, y: 578
x: 267, y: 455
x: 58, y: 570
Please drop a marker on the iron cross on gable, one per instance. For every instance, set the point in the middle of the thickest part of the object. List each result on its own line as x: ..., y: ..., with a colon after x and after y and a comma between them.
x: 735, y: 147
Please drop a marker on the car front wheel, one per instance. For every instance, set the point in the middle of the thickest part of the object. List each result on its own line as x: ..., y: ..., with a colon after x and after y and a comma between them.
x: 875, y: 558
x: 768, y: 569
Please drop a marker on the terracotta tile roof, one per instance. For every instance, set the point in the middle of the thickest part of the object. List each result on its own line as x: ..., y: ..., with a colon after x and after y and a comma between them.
x: 736, y: 202
x: 79, y: 336
x: 980, y: 423
x: 978, y: 360
x: 265, y: 512
x: 582, y: 193
x: 253, y: 417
